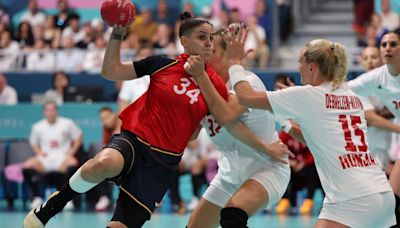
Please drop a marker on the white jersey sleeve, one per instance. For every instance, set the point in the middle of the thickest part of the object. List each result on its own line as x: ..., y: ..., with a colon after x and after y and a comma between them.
x: 365, y: 84
x: 380, y: 84
x: 290, y: 103
x: 367, y: 105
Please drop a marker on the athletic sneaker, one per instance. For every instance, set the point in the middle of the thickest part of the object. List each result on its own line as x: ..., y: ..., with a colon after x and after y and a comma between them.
x: 179, y: 208
x: 283, y: 206
x: 36, y: 202
x: 69, y: 206
x: 103, y: 203
x: 306, y: 207
x: 193, y: 203
x: 38, y: 217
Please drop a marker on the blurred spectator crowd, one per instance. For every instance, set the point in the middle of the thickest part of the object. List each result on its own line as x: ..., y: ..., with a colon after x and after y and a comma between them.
x: 370, y: 25
x: 41, y: 42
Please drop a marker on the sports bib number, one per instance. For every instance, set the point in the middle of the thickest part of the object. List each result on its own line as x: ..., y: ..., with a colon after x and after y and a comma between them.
x: 183, y: 89
x: 352, y: 128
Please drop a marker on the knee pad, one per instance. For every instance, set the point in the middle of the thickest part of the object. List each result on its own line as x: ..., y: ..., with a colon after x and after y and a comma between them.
x: 125, y: 146
x: 233, y: 217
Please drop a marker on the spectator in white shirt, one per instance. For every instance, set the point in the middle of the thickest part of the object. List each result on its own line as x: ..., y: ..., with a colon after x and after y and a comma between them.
x: 8, y: 95
x: 33, y: 15
x: 8, y: 52
x: 256, y: 40
x: 40, y: 59
x: 74, y: 29
x: 93, y: 60
x: 69, y: 59
x: 390, y: 19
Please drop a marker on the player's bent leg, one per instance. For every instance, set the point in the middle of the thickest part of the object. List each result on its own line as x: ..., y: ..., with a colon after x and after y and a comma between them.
x: 250, y: 197
x: 325, y: 223
x: 107, y: 164
x: 206, y: 214
x: 247, y: 200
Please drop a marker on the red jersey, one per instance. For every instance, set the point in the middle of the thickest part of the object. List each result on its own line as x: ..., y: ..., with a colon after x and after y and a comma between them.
x: 167, y: 115
x: 300, y: 150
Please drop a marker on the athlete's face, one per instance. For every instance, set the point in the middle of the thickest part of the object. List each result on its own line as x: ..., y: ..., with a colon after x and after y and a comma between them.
x: 304, y: 69
x: 199, y: 42
x: 370, y: 58
x: 218, y: 52
x: 390, y: 49
x: 50, y: 112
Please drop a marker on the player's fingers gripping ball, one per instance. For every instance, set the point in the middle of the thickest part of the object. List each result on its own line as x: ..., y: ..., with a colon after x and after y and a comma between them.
x: 118, y: 12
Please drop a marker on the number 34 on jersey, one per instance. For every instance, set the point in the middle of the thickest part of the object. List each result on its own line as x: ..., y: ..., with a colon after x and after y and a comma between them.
x: 182, y: 89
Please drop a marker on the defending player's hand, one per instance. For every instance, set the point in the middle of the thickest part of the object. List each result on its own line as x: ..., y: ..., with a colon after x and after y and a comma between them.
x: 279, y: 152
x: 195, y: 66
x: 289, y: 83
x: 235, y: 39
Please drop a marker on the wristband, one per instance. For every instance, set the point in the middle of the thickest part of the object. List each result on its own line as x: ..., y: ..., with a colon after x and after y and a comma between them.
x: 116, y: 36
x: 236, y: 75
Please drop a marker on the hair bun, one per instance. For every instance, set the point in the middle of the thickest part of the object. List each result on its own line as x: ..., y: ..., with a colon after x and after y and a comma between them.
x: 185, y: 15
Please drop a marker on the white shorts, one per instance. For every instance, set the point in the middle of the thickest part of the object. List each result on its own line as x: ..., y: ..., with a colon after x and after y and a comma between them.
x: 220, y: 191
x: 52, y: 163
x: 376, y: 210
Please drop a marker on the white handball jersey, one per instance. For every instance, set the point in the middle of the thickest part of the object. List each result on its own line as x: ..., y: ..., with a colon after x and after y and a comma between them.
x: 238, y: 161
x: 334, y: 128
x: 394, y: 150
x: 54, y: 139
x: 378, y: 138
x: 381, y: 84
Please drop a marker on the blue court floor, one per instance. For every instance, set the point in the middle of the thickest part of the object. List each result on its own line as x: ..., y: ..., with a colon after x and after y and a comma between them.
x: 96, y: 220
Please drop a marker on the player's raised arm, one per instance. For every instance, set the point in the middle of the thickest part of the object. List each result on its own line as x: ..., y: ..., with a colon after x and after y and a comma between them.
x: 247, y: 96
x: 224, y: 111
x: 113, y: 68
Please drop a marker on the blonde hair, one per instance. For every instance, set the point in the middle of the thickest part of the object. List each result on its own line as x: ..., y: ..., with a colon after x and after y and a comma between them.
x: 331, y: 60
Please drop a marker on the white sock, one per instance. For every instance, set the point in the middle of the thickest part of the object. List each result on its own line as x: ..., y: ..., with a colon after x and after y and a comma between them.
x: 78, y: 184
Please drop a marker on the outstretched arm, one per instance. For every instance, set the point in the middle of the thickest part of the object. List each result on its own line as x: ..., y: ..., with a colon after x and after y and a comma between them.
x: 247, y: 96
x: 277, y: 150
x: 223, y: 111
x: 112, y: 68
x: 235, y: 49
x: 227, y: 113
x: 373, y: 119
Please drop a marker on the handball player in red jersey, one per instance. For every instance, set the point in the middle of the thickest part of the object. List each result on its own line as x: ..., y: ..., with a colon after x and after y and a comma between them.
x: 155, y: 130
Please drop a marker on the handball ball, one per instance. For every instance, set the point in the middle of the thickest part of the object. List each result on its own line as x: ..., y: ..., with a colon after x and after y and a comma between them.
x: 118, y: 12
